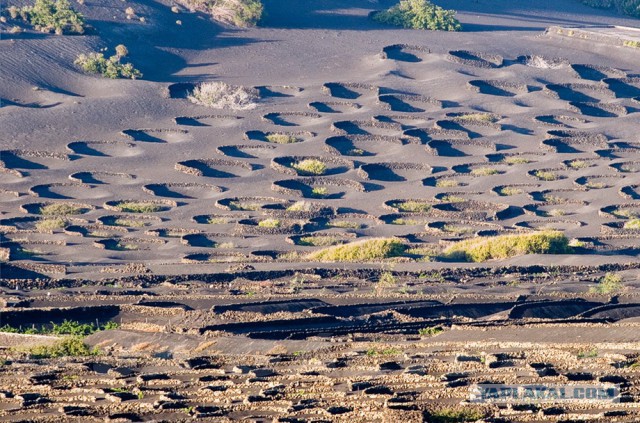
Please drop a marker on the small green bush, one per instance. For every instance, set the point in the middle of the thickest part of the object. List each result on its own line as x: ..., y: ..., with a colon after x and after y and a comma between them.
x: 300, y: 206
x: 610, y: 283
x: 447, y: 183
x: 138, y: 207
x: 485, y: 171
x: 96, y: 63
x: 412, y: 206
x: 310, y: 167
x: 458, y: 229
x: 515, y: 160
x: 51, y: 16
x: 632, y: 224
x: 244, y: 206
x: 72, y: 346
x: 61, y: 209
x: 430, y: 331
x: 247, y: 12
x: 419, y: 14
x: 508, y: 191
x: 242, y: 13
x: 319, y: 192
x: 505, y: 246
x: 372, y: 352
x: 132, y: 223
x: 344, y: 224
x: 51, y: 223
x: 623, y: 213
x: 367, y: 250
x: 578, y: 164
x: 319, y: 240
x: 545, y: 175
x: 270, y: 223
x: 278, y: 138
x: 67, y: 327
x: 477, y: 117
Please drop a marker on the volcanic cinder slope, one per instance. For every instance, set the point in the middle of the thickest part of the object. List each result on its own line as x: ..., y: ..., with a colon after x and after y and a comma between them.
x: 430, y: 137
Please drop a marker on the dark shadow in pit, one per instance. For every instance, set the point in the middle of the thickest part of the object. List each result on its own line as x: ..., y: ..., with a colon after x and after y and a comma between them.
x: 180, y: 89
x: 84, y: 148
x: 398, y: 105
x: 162, y: 190
x: 208, y: 170
x: 379, y: 172
x: 233, y: 151
x: 189, y: 121
x: 13, y: 161
x: 199, y: 240
x: 341, y: 91
x: 143, y: 136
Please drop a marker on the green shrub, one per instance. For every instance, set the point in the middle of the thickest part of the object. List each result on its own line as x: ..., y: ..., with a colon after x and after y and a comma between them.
x: 372, y: 352
x: 244, y: 206
x: 505, y: 246
x: 632, y: 224
x: 61, y: 209
x: 51, y: 16
x: 138, y: 207
x: 72, y: 346
x: 593, y: 353
x: 408, y: 222
x: 515, y: 160
x: 610, y: 283
x: 367, y: 250
x: 578, y: 164
x: 419, y: 14
x: 278, y: 138
x: 310, y: 167
x: 300, y: 206
x: 51, y: 223
x: 545, y: 175
x: 319, y: 192
x: 477, y: 117
x: 344, y: 224
x: 485, y: 171
x: 319, y: 240
x: 430, y: 331
x: 247, y: 12
x: 412, y: 206
x: 67, y: 327
x: 218, y: 220
x: 132, y: 223
x: 96, y: 63
x: 450, y: 198
x: 507, y: 191
x: 270, y: 223
x: 242, y: 13
x: 447, y: 183
x: 623, y: 213
x: 458, y: 229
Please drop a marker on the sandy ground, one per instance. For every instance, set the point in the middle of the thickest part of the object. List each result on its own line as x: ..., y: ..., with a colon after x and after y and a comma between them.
x: 399, y: 115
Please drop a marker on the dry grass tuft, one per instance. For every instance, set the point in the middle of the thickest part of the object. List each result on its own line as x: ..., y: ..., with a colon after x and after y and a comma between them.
x: 220, y: 95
